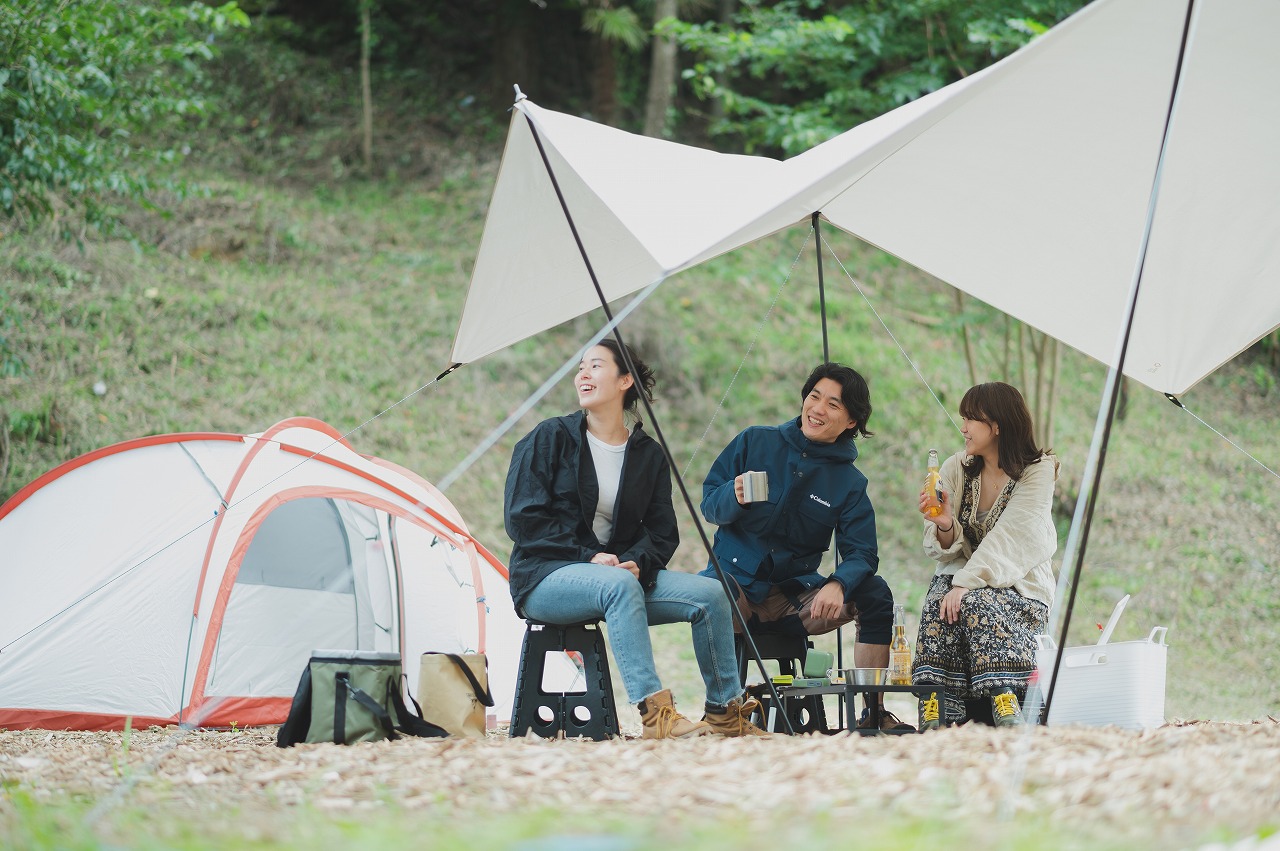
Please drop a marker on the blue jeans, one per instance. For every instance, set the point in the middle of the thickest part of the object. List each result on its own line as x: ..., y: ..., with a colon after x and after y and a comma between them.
x: 579, y: 592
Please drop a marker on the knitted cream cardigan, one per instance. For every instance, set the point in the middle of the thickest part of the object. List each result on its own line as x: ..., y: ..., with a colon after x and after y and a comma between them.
x: 1017, y: 553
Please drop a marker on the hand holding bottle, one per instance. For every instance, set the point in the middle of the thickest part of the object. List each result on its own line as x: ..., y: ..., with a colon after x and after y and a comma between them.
x: 942, y: 502
x: 933, y: 487
x: 934, y: 504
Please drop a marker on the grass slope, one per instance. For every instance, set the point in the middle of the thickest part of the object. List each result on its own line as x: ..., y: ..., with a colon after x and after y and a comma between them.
x: 338, y: 299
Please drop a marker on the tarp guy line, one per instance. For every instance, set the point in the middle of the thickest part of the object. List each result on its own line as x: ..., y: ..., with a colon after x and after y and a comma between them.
x: 536, y: 396
x: 1237, y: 446
x: 892, y: 336
x: 750, y: 347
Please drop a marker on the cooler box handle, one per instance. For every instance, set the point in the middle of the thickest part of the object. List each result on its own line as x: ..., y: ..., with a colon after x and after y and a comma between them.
x: 1082, y: 661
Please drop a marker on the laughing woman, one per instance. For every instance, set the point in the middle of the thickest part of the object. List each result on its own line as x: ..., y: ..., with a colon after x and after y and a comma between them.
x: 994, y: 583
x: 588, y: 506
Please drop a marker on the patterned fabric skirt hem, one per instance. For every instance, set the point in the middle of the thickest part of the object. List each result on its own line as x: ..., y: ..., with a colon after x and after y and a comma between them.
x: 991, y: 647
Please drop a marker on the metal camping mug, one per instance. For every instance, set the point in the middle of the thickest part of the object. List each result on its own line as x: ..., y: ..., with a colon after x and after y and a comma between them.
x: 755, y: 487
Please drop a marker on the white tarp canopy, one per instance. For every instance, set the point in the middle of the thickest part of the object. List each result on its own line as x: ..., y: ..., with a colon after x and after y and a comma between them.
x: 1026, y: 185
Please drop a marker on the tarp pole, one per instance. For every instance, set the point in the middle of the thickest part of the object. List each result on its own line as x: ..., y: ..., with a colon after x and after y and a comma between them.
x: 822, y: 289
x: 657, y: 430
x: 1078, y: 537
x: 826, y: 358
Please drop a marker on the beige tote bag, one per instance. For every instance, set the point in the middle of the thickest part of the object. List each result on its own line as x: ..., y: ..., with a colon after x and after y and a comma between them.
x: 454, y: 691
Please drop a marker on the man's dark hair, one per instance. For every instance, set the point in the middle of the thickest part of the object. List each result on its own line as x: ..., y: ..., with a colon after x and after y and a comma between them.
x: 854, y: 395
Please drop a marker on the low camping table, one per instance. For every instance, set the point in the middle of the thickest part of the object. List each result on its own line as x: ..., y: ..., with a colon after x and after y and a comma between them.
x: 849, y: 690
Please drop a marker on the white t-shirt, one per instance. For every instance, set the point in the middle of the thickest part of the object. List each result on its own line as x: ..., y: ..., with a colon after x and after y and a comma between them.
x: 608, y: 460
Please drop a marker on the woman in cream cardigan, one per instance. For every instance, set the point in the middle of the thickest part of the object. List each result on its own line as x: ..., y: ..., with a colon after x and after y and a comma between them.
x: 993, y: 540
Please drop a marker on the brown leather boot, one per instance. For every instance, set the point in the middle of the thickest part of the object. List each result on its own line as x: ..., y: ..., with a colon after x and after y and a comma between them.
x: 736, y: 719
x: 661, y: 721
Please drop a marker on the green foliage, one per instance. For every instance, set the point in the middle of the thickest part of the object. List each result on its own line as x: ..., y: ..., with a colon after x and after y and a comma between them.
x: 1266, y: 355
x: 793, y: 74
x: 11, y: 363
x: 40, y: 424
x: 81, y: 83
x: 621, y: 25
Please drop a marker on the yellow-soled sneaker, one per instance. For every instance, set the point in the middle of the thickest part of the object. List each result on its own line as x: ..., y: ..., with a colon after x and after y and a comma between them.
x: 1005, y: 710
x: 930, y: 718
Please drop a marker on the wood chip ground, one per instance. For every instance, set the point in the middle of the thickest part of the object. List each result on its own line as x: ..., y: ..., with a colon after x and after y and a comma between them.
x: 1171, y: 781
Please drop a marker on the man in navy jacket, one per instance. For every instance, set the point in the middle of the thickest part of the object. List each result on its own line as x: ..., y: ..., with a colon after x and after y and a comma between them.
x: 772, y: 548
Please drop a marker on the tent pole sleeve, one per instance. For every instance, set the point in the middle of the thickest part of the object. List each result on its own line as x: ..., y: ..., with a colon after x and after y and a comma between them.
x: 729, y: 590
x: 1078, y: 537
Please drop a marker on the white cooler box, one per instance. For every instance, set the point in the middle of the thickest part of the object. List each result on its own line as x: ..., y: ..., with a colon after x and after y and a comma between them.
x: 1120, y: 683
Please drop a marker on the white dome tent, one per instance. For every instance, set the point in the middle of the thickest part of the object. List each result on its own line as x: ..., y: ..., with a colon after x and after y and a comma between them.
x: 186, y: 578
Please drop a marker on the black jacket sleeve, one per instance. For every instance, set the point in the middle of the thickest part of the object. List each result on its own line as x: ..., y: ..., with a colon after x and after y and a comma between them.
x: 538, y: 520
x: 661, y: 534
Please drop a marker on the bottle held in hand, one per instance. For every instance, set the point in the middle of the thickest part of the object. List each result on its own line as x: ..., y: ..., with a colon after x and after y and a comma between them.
x: 933, y: 487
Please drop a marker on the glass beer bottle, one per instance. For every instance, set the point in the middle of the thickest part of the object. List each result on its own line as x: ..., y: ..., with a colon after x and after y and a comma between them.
x: 933, y: 487
x: 899, y: 651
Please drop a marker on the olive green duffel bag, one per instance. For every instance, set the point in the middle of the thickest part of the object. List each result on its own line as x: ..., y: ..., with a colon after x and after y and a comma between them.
x: 347, y: 696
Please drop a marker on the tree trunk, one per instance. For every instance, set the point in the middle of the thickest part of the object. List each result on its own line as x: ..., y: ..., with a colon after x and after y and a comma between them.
x: 1022, y: 359
x: 1046, y: 436
x: 514, y: 61
x: 366, y: 88
x: 968, y: 344
x: 728, y: 8
x: 604, y: 82
x: 662, y: 74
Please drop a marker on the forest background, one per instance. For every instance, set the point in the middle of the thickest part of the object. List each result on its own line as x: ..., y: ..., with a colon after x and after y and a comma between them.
x: 216, y: 217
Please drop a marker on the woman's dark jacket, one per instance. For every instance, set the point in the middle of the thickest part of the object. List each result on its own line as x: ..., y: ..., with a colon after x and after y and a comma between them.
x: 551, y: 499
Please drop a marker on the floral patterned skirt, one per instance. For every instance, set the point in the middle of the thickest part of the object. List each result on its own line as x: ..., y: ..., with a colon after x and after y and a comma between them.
x: 991, y: 647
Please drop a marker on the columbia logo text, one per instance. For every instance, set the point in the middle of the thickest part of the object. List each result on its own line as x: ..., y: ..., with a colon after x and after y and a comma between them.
x: 819, y: 500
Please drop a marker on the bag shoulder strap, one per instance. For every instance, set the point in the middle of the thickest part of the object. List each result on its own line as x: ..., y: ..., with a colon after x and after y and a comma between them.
x: 361, y: 697
x: 481, y: 692
x: 410, y: 723
x: 298, y: 724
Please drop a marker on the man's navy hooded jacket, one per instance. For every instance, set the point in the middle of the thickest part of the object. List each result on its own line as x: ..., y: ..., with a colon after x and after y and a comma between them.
x: 814, y: 490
